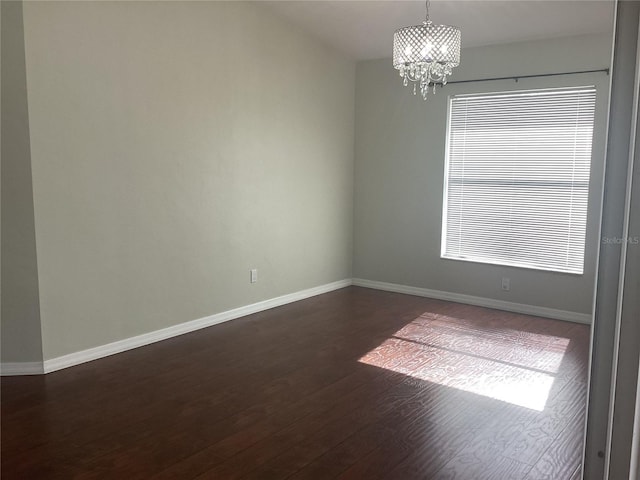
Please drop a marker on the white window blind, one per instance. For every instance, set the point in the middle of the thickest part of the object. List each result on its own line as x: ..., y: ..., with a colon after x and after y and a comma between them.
x: 517, y: 178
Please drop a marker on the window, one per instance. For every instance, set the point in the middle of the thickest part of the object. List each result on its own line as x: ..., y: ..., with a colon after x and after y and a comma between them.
x: 517, y: 178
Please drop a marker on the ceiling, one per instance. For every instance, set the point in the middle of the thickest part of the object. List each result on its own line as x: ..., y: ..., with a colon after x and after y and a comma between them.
x: 363, y: 29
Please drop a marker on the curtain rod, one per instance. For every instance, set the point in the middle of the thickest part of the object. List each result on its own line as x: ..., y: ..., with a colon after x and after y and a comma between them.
x: 518, y: 77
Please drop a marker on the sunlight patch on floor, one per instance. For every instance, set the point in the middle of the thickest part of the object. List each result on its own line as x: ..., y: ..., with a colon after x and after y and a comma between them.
x: 507, y: 365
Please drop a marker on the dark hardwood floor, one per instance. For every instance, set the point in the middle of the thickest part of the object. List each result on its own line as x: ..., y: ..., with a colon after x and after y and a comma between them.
x: 353, y: 384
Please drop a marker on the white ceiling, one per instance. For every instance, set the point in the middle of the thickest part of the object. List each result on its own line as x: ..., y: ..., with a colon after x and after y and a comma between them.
x: 363, y: 29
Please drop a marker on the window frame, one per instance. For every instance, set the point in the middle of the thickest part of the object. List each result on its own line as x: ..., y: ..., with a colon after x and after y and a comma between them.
x: 445, y: 190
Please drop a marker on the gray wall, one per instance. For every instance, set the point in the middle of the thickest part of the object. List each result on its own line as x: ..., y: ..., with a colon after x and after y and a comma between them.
x: 400, y: 149
x: 20, y: 325
x: 174, y: 146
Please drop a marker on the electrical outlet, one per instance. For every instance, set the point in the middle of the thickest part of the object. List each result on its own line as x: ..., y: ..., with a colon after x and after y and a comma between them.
x: 254, y: 275
x: 506, y: 284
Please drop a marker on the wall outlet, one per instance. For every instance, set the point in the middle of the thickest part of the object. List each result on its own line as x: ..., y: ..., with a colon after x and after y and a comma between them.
x: 254, y: 275
x: 506, y: 284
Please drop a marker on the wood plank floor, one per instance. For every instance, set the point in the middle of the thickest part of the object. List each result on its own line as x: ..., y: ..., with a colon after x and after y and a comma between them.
x: 353, y: 384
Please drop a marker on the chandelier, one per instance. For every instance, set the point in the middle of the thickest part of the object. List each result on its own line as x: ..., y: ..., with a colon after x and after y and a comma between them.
x: 426, y: 54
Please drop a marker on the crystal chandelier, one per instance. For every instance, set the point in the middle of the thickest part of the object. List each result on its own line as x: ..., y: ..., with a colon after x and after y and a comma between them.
x: 425, y: 54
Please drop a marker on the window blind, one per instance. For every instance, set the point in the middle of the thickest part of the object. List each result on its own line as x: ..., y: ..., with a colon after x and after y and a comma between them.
x: 517, y: 178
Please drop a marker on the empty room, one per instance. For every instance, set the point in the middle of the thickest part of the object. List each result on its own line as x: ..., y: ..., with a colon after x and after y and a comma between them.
x: 320, y: 240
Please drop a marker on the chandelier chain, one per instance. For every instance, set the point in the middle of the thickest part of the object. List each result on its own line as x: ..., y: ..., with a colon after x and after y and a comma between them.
x: 427, y: 5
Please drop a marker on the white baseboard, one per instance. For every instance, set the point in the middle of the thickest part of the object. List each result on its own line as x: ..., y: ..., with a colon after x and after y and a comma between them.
x: 83, y: 356
x: 76, y: 358
x: 102, y: 351
x: 21, y: 368
x: 478, y: 301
